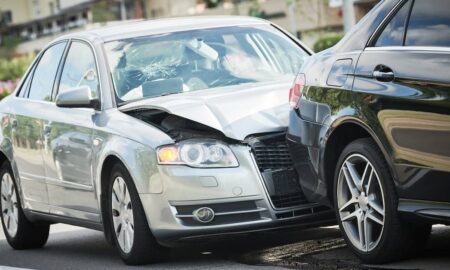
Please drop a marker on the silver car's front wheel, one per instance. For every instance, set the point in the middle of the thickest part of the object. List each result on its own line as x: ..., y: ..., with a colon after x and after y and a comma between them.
x: 122, y: 213
x: 361, y: 205
x: 10, y: 212
x: 128, y: 223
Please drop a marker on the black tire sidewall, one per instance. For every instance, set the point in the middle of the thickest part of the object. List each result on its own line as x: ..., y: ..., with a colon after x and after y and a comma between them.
x: 118, y: 172
x: 6, y: 168
x: 29, y: 234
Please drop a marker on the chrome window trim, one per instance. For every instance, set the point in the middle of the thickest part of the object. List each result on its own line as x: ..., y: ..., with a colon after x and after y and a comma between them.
x: 409, y: 48
x: 32, y: 66
x: 384, y: 22
x: 91, y: 46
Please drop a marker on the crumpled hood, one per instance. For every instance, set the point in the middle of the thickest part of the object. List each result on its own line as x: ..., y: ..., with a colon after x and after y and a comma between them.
x: 236, y: 111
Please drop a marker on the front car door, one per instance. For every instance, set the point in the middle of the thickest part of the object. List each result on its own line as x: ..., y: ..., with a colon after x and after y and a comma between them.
x: 68, y: 140
x: 403, y: 77
x: 27, y: 126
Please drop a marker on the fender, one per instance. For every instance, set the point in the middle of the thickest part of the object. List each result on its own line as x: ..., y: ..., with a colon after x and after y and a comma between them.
x: 6, y: 149
x: 377, y: 137
x: 139, y: 160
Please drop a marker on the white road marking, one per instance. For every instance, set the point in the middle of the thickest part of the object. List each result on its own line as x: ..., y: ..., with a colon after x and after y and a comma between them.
x: 12, y: 268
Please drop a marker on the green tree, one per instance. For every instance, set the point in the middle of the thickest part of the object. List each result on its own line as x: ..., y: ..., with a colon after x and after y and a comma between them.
x: 102, y: 12
x: 326, y: 42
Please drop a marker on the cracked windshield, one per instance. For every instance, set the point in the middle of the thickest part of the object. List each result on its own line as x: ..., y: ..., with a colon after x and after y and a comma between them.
x: 187, y: 61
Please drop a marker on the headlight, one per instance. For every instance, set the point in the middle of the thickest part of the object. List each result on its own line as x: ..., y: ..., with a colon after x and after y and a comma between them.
x: 198, y: 153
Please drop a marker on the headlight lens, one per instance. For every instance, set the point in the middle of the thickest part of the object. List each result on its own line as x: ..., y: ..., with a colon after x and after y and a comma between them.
x: 196, y: 153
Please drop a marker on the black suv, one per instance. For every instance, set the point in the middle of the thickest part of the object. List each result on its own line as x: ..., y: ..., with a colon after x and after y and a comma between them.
x: 370, y: 128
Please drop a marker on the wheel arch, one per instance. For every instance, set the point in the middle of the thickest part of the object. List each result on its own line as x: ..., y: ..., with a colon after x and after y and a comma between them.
x: 105, y: 173
x: 341, y: 133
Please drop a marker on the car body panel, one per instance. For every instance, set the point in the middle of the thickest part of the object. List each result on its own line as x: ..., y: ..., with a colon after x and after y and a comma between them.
x: 413, y: 118
x: 408, y: 117
x: 260, y: 109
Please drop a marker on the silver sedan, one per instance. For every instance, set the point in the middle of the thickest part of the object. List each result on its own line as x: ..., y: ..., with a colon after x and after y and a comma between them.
x: 156, y: 133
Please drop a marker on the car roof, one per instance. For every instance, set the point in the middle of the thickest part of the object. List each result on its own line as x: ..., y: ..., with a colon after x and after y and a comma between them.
x: 131, y: 29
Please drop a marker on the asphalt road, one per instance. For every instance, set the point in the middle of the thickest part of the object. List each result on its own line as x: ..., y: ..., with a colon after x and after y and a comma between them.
x: 322, y: 248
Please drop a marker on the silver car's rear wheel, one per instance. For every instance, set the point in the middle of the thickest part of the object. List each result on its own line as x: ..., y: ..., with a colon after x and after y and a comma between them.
x: 19, y: 231
x: 9, y: 204
x: 122, y: 214
x: 361, y: 204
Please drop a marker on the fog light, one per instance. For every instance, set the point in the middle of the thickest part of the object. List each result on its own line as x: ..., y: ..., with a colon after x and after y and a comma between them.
x: 204, y: 215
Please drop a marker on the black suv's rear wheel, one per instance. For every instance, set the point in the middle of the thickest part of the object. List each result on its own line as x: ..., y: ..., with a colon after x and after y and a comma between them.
x: 19, y: 231
x: 366, y: 206
x: 131, y: 233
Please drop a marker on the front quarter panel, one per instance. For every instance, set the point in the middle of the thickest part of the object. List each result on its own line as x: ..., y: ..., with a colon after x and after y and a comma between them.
x: 131, y: 141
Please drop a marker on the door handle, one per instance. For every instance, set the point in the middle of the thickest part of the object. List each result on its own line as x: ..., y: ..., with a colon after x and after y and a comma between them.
x: 383, y: 73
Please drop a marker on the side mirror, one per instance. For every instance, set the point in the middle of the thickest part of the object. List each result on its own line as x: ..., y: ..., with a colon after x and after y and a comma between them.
x: 77, y: 97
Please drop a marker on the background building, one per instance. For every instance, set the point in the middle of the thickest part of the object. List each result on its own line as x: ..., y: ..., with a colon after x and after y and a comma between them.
x: 30, y: 24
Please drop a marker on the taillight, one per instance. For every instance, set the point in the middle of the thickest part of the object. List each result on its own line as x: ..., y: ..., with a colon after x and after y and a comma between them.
x: 296, y: 90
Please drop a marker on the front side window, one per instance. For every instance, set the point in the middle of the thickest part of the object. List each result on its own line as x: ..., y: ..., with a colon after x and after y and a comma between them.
x: 45, y: 73
x: 429, y: 24
x: 394, y: 31
x: 194, y: 60
x: 79, y: 68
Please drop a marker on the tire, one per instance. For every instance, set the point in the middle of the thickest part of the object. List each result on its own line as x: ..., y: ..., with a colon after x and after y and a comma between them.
x: 21, y: 234
x: 371, y: 206
x: 142, y: 247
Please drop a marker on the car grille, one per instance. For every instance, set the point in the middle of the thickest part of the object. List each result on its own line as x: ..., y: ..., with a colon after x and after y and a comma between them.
x: 273, y: 156
x: 277, y: 169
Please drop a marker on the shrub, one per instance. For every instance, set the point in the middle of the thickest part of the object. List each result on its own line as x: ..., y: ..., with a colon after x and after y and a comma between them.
x: 7, y: 87
x: 326, y: 42
x: 11, y: 71
x: 15, y: 68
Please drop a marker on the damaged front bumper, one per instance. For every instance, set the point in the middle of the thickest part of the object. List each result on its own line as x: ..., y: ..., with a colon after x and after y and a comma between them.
x: 261, y: 194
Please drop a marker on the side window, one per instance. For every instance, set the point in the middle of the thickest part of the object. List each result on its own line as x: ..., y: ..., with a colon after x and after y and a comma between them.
x: 394, y: 32
x: 23, y: 91
x: 45, y: 73
x: 79, y: 68
x: 429, y: 24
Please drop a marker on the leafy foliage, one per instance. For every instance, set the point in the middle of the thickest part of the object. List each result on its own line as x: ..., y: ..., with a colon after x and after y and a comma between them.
x: 15, y: 68
x: 8, y: 47
x: 11, y: 71
x: 327, y: 42
x: 102, y: 12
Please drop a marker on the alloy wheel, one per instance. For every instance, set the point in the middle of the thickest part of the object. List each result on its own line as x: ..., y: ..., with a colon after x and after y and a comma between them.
x: 122, y: 214
x: 361, y: 204
x: 10, y: 212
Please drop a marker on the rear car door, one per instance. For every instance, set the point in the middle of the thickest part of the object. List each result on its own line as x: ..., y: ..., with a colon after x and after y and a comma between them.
x: 403, y: 76
x: 27, y: 126
x: 68, y: 140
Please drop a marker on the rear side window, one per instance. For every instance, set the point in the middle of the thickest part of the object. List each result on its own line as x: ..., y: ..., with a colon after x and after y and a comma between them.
x: 23, y: 91
x: 394, y: 32
x: 45, y: 73
x: 429, y: 24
